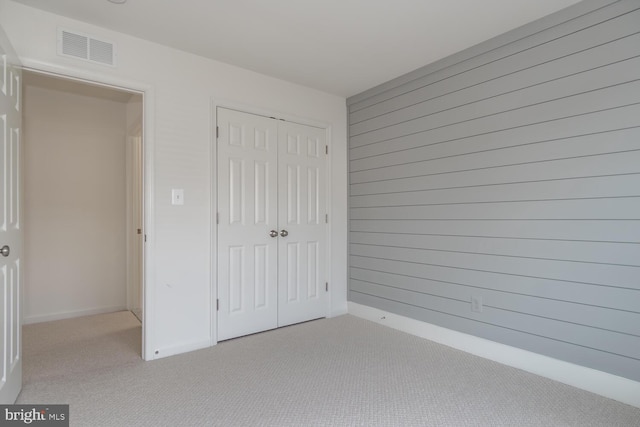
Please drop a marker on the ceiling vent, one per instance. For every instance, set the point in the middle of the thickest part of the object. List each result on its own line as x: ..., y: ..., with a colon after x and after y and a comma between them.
x: 81, y: 46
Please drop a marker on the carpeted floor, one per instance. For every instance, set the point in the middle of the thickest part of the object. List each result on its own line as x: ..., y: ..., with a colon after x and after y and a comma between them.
x: 79, y: 346
x: 343, y: 371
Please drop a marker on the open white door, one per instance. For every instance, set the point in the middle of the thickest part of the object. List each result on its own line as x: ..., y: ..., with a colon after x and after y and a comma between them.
x: 135, y: 195
x: 11, y: 237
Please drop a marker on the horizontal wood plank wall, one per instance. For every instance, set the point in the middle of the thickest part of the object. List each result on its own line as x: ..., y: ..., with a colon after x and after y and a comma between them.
x: 510, y: 172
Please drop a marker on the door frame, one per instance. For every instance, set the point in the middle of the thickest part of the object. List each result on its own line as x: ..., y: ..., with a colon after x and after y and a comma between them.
x: 266, y: 112
x: 148, y: 113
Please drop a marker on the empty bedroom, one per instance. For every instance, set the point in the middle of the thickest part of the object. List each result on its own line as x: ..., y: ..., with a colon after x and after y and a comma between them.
x: 291, y: 213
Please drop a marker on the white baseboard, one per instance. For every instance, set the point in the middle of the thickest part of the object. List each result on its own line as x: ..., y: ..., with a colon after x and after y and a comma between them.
x: 71, y: 314
x: 137, y: 312
x: 179, y: 349
x: 611, y: 386
x: 338, y: 311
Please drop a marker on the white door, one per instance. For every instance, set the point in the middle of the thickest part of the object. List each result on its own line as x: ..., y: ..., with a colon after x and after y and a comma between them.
x: 136, y: 237
x: 10, y: 226
x: 271, y: 223
x: 301, y: 214
x: 248, y: 222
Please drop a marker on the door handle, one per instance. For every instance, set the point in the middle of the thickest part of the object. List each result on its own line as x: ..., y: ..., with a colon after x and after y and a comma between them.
x: 273, y: 233
x: 284, y: 233
x: 5, y: 251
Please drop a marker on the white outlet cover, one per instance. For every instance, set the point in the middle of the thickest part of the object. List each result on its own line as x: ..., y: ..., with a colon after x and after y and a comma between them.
x: 476, y: 304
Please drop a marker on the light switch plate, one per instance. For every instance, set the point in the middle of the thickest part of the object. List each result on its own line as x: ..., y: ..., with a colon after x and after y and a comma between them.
x: 177, y: 196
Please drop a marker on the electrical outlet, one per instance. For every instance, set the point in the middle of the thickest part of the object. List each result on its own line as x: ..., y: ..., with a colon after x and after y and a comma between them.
x: 476, y: 304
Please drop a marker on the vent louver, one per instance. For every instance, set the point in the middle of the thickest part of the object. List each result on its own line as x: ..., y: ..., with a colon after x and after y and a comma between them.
x: 74, y: 45
x: 85, y: 47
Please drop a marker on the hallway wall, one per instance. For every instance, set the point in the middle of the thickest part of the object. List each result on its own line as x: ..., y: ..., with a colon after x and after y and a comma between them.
x: 75, y: 217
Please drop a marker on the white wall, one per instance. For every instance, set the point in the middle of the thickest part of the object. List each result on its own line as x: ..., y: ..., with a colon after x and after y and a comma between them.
x: 178, y: 130
x: 74, y: 150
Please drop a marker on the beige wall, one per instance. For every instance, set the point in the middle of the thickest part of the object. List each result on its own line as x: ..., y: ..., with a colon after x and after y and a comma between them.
x: 75, y: 205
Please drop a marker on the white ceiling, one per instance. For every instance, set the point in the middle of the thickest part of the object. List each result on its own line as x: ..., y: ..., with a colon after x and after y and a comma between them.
x: 337, y: 46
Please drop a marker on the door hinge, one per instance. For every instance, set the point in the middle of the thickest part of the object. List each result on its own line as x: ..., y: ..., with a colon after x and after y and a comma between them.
x: 326, y: 286
x: 326, y: 149
x: 217, y: 132
x: 139, y: 230
x: 217, y: 305
x: 217, y: 217
x: 145, y: 238
x: 326, y: 218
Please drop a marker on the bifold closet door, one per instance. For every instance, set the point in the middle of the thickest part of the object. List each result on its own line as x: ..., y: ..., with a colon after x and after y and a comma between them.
x: 271, y: 223
x: 247, y: 209
x: 301, y: 213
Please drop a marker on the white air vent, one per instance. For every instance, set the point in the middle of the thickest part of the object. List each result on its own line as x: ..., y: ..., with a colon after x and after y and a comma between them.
x: 82, y: 46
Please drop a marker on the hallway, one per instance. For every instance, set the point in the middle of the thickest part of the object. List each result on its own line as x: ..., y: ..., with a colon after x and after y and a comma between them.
x: 65, y: 348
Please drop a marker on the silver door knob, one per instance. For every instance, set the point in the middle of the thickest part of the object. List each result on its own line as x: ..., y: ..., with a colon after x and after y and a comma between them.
x: 5, y: 251
x: 273, y: 233
x: 284, y: 233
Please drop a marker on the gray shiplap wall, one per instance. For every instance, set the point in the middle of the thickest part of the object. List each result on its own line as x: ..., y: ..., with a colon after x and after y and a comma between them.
x: 510, y: 172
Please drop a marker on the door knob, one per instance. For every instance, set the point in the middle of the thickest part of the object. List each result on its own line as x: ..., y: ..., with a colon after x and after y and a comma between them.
x: 5, y: 251
x: 284, y: 233
x: 273, y: 233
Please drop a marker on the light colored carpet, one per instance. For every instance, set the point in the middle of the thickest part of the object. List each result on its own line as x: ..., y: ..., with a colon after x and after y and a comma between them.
x: 343, y: 371
x: 79, y: 346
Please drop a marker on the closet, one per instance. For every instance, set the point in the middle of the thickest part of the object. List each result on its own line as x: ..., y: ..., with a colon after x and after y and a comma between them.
x: 271, y: 216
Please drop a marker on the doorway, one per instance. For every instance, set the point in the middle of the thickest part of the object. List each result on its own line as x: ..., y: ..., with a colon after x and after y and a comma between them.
x: 83, y: 199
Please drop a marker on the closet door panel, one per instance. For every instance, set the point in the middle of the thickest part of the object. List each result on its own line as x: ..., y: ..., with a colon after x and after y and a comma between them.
x: 302, y: 209
x: 247, y: 209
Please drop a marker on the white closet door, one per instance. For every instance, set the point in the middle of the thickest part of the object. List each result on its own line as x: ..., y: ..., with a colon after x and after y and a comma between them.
x: 301, y: 213
x: 247, y: 207
x: 11, y: 236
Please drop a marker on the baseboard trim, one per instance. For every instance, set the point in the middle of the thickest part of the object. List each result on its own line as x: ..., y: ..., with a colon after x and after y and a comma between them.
x: 179, y: 349
x: 339, y: 311
x: 611, y: 386
x: 71, y: 314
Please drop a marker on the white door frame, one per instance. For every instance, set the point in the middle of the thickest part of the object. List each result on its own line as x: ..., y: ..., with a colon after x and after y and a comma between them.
x: 251, y: 109
x: 148, y: 134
